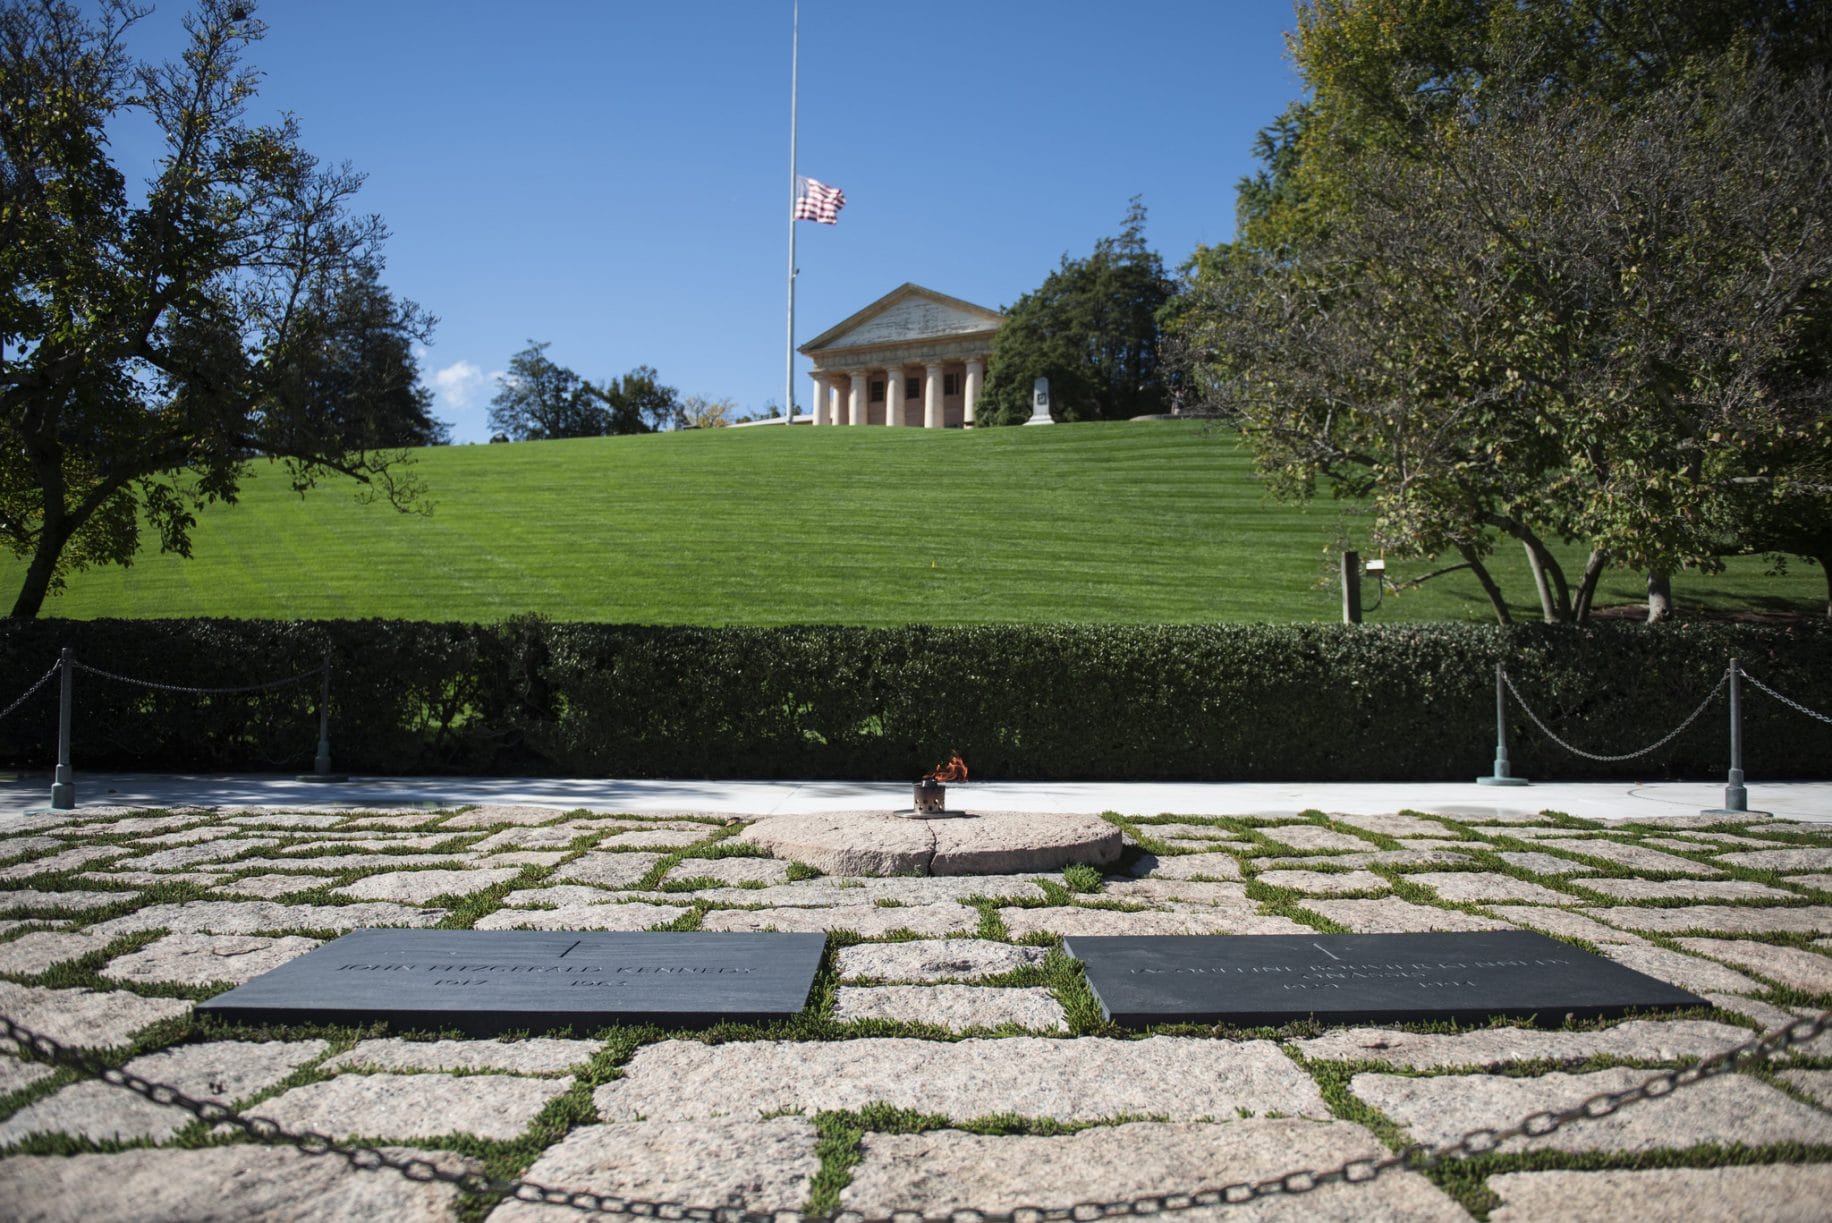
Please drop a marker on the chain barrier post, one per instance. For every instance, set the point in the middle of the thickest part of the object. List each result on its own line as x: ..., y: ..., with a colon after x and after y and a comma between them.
x: 1501, y: 776
x: 321, y: 763
x: 63, y: 782
x: 1736, y: 797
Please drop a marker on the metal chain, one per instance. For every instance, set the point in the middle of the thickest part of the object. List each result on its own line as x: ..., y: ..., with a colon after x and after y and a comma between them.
x: 26, y: 695
x: 1789, y: 701
x: 147, y: 683
x: 1578, y: 751
x: 1750, y: 1053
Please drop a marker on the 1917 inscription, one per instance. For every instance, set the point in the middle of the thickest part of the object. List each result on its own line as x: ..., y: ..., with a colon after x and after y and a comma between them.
x: 1360, y: 978
x: 487, y: 982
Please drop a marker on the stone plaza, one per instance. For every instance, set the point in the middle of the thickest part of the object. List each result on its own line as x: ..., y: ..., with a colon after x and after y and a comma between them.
x: 950, y: 1056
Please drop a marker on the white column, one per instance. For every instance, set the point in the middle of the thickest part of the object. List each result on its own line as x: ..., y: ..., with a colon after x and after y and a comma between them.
x: 893, y: 395
x: 856, y: 405
x: 931, y: 396
x: 970, y: 391
x: 832, y: 404
x: 820, y: 398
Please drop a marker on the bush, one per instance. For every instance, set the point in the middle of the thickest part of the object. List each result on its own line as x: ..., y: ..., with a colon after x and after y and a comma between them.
x: 1231, y: 702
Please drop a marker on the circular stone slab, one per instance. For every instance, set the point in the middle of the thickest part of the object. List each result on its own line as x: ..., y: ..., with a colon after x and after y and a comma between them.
x: 985, y: 843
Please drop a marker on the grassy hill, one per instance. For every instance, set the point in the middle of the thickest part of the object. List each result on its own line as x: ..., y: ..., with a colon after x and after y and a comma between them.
x: 1139, y: 522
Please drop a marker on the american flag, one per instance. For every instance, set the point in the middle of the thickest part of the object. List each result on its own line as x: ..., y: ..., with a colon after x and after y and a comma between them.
x: 816, y: 201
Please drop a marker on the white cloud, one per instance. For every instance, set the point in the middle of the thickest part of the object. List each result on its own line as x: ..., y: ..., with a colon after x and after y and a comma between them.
x: 457, y: 384
x: 461, y: 392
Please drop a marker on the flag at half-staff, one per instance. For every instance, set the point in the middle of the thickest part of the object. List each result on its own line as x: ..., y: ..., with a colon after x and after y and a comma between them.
x: 816, y: 201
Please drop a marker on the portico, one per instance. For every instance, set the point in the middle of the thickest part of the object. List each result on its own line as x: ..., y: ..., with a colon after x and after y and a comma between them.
x: 913, y: 357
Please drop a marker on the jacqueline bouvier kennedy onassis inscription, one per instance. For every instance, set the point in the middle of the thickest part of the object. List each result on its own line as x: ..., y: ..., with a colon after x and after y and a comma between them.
x: 1258, y: 980
x: 484, y: 982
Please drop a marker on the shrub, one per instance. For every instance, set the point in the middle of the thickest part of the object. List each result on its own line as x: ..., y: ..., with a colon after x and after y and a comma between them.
x: 1200, y: 702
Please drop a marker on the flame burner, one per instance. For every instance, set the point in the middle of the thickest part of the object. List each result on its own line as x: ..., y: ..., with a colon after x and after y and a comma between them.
x: 931, y: 797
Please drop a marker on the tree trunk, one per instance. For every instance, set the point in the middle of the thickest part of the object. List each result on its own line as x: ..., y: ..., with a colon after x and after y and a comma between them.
x: 1587, y: 586
x: 1825, y: 565
x: 1660, y: 597
x: 1548, y: 608
x: 38, y: 577
x: 1488, y: 584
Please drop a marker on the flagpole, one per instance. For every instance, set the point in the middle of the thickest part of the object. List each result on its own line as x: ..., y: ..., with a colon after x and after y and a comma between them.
x: 788, y: 385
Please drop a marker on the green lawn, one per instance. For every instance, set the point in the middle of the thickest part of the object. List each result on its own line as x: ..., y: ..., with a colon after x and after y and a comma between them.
x: 1139, y: 522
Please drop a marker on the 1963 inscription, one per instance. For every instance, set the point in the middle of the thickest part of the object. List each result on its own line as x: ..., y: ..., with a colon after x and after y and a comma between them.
x: 1272, y: 979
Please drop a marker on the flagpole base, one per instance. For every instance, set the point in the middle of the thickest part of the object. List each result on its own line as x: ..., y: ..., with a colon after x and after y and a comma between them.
x: 1502, y: 781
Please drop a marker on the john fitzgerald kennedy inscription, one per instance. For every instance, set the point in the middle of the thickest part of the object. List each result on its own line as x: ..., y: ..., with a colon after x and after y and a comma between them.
x: 1252, y: 981
x: 484, y: 982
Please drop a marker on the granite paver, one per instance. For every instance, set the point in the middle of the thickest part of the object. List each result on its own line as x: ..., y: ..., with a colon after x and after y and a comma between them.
x: 1315, y: 839
x: 1797, y: 859
x: 408, y: 1107
x: 540, y: 1055
x: 254, y: 916
x: 1740, y: 919
x: 1641, y: 1040
x: 1635, y: 857
x: 957, y: 1007
x: 1803, y: 970
x: 33, y: 952
x: 1322, y: 883
x: 200, y: 959
x: 1088, y: 1079
x: 1188, y: 866
x: 1683, y: 889
x: 633, y: 916
x: 94, y: 1019
x: 755, y: 1165
x: 1545, y: 864
x: 870, y: 921
x: 1686, y: 971
x: 420, y: 887
x: 224, y: 1071
x: 946, y: 1170
x: 957, y: 959
x: 1480, y: 886
x: 1726, y: 1110
x: 221, y: 1185
x: 1775, y: 1193
x: 1390, y: 915
x: 1068, y: 921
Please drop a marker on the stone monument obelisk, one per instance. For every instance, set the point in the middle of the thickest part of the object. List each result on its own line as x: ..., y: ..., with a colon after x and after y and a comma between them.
x: 1040, y: 403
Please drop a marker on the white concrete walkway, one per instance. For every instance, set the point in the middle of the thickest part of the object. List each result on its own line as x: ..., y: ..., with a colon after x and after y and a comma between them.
x: 20, y: 795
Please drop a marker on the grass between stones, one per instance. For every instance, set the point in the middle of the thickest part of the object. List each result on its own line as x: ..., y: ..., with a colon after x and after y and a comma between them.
x: 1255, y: 848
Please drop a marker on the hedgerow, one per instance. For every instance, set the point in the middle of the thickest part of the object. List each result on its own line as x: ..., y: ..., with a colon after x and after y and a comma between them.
x: 1224, y: 702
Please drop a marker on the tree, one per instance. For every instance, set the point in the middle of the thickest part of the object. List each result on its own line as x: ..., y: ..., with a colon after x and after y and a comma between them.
x: 537, y: 400
x: 638, y: 402
x: 362, y: 375
x: 699, y: 412
x: 150, y: 350
x: 1092, y: 329
x: 1508, y: 276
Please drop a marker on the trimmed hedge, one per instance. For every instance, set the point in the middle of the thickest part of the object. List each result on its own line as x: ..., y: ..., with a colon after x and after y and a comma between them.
x: 1229, y: 702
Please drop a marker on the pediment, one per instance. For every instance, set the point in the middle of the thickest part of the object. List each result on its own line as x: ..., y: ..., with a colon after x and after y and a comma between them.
x: 908, y: 313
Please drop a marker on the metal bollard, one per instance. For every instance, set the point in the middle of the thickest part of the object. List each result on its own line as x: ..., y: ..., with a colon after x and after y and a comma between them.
x: 63, y: 781
x: 1736, y: 797
x: 321, y: 763
x: 1501, y: 776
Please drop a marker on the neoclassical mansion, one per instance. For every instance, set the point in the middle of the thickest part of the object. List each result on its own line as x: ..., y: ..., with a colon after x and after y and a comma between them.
x: 913, y: 357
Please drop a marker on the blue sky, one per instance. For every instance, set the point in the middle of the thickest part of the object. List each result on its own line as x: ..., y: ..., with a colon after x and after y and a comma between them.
x: 613, y: 176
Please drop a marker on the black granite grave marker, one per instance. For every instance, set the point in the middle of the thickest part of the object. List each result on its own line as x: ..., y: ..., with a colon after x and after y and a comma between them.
x: 484, y: 982
x: 1255, y: 980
